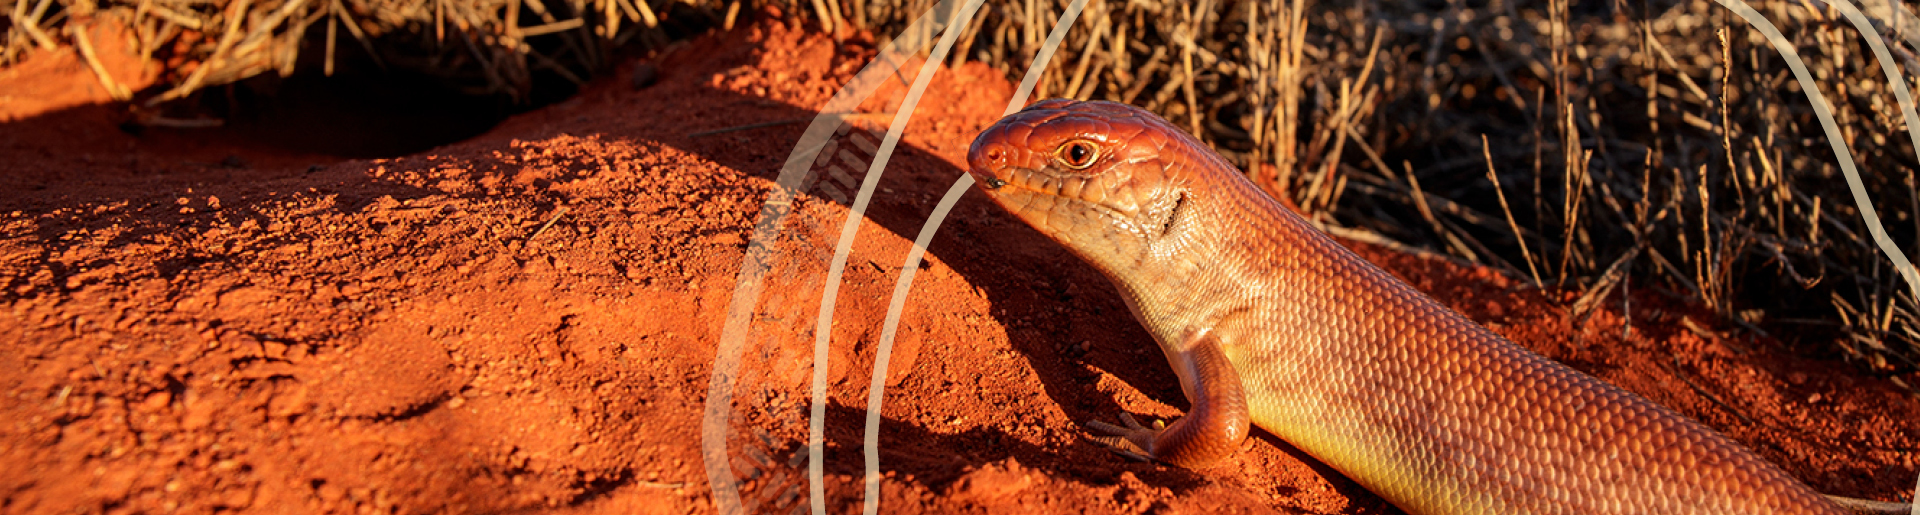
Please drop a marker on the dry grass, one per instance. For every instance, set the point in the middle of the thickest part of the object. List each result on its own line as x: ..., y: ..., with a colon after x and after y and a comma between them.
x: 1633, y: 150
x: 1661, y: 145
x: 487, y: 47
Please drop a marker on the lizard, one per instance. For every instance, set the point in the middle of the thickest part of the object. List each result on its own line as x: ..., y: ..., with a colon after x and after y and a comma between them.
x: 1268, y: 322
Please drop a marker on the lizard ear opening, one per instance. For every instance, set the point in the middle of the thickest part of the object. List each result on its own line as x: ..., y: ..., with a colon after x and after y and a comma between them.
x: 1077, y: 154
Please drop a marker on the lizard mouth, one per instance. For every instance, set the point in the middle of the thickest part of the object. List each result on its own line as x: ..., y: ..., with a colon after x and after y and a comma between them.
x: 1047, y: 197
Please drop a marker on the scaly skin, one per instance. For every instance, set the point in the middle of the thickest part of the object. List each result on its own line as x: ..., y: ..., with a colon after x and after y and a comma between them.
x: 1268, y: 321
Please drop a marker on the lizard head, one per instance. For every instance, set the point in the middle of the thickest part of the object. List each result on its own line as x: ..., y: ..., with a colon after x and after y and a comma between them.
x: 1104, y: 179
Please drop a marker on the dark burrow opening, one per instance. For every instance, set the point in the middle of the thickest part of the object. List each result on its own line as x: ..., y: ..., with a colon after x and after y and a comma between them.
x: 421, y: 92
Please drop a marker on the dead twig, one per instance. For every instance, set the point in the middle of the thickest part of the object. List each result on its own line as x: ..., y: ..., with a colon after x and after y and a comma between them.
x: 85, y: 45
x: 550, y: 221
x: 1504, y: 207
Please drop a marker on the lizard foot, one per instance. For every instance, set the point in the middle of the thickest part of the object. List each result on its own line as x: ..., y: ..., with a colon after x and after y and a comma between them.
x: 1133, y: 441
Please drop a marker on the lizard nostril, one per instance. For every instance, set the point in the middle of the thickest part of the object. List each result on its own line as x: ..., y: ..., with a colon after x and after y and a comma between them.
x: 993, y: 154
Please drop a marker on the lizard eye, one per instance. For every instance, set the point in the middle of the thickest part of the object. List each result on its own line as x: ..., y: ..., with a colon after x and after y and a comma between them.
x: 1078, y: 154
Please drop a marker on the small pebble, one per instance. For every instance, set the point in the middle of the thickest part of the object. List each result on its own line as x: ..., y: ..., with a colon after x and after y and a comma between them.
x: 644, y: 75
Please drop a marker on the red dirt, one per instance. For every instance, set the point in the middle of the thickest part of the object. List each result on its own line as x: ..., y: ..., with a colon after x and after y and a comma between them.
x: 296, y: 333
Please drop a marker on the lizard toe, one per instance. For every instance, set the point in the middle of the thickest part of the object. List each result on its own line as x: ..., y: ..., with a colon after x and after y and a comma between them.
x: 1133, y: 440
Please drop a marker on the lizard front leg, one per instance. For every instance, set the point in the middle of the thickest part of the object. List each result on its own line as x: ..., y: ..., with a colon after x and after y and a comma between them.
x: 1213, y: 427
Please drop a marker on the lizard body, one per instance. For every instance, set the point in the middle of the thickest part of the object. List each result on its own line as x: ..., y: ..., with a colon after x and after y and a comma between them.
x: 1270, y: 323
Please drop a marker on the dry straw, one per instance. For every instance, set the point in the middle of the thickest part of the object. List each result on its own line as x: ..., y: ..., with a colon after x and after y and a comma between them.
x: 488, y: 46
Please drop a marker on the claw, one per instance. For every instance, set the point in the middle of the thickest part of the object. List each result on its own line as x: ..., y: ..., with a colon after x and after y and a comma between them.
x: 1133, y: 441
